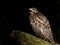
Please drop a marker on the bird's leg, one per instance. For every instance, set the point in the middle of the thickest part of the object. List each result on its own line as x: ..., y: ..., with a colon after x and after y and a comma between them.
x: 46, y: 39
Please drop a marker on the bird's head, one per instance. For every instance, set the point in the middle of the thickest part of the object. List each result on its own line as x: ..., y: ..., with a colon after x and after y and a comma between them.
x: 33, y: 10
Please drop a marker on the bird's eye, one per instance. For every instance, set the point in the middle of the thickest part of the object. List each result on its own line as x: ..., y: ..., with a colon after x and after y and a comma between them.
x: 33, y: 8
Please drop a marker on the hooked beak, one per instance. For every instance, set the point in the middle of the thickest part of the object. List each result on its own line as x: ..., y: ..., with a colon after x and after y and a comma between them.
x: 31, y: 11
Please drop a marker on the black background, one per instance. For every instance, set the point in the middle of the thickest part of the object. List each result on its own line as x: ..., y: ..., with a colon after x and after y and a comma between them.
x: 14, y: 16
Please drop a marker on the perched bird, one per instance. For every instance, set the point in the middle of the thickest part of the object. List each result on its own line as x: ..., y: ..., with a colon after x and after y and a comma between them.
x: 40, y: 25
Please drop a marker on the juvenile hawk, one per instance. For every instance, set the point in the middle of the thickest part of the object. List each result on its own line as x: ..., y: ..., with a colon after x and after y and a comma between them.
x: 40, y: 25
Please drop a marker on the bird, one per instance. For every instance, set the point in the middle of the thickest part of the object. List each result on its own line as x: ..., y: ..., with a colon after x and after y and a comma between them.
x: 40, y: 25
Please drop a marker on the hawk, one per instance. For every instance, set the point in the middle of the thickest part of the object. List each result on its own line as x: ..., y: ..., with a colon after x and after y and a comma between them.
x: 40, y: 25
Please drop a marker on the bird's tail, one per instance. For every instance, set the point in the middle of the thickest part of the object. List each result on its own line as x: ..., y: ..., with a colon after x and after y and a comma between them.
x: 55, y: 44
